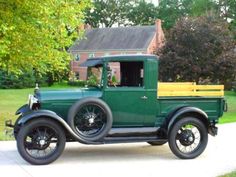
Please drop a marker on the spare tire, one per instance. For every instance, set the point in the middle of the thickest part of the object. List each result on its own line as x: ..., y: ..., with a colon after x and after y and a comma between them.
x: 90, y: 118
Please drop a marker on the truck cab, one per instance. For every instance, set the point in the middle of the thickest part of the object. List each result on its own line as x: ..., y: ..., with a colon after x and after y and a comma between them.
x: 132, y: 98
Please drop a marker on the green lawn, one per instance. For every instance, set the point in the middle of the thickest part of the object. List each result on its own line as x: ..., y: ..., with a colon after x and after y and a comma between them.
x: 232, y: 174
x: 230, y: 116
x: 12, y: 99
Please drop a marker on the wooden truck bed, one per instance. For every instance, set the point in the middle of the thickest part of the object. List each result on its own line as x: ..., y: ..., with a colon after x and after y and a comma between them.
x: 188, y: 89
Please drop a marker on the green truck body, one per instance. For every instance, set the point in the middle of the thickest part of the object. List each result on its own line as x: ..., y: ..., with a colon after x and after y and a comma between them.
x: 126, y: 104
x: 130, y: 111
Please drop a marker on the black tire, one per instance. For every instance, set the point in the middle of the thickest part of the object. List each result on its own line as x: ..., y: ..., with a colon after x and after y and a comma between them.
x: 34, y: 130
x: 79, y: 121
x: 157, y: 143
x: 181, y: 135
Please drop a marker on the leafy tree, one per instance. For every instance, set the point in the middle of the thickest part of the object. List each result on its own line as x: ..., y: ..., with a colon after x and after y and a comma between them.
x: 106, y: 13
x: 203, y: 7
x: 172, y: 10
x: 142, y: 13
x: 35, y: 34
x: 199, y: 49
x: 227, y: 10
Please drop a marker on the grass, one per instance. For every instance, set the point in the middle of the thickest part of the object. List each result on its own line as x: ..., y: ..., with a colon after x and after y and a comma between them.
x: 232, y: 174
x: 12, y: 99
x: 230, y: 115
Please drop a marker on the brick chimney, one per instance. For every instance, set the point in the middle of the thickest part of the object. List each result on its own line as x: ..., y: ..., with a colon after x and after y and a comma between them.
x: 84, y: 27
x: 160, y: 37
x: 87, y: 26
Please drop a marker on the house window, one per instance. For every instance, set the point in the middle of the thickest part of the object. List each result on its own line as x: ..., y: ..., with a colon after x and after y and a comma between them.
x: 139, y: 53
x: 91, y: 55
x: 77, y: 57
x: 107, y: 54
x: 123, y: 53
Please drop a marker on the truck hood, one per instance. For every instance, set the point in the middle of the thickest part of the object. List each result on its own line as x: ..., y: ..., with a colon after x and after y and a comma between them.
x: 68, y: 94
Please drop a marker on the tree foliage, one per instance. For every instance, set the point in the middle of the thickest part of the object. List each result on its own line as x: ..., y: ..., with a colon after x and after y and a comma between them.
x: 35, y: 34
x: 106, y: 13
x: 142, y: 13
x: 170, y: 11
x: 203, y: 7
x: 228, y: 12
x: 199, y: 49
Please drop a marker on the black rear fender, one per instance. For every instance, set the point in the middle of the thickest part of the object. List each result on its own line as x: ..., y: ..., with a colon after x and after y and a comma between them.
x: 187, y: 112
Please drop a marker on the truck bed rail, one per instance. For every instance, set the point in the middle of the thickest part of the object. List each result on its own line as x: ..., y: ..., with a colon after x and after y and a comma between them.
x: 188, y: 89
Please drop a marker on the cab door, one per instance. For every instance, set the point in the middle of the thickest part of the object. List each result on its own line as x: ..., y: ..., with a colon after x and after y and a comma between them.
x: 127, y: 97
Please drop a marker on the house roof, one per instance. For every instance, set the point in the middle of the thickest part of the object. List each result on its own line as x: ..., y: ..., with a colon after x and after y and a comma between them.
x: 121, y: 38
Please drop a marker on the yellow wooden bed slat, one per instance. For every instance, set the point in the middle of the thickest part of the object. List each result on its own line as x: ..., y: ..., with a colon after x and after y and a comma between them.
x: 188, y: 89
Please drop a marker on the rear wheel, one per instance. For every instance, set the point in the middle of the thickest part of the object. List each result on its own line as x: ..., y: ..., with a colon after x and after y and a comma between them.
x: 188, y: 138
x: 41, y: 141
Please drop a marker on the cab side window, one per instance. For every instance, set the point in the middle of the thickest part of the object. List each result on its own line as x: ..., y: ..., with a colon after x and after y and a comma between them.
x: 125, y: 74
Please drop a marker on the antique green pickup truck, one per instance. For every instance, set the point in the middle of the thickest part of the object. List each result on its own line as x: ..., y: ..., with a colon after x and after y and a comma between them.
x: 125, y: 106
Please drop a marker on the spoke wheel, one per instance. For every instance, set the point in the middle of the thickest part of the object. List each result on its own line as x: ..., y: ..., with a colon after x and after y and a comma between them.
x: 188, y: 138
x: 41, y: 141
x: 90, y: 120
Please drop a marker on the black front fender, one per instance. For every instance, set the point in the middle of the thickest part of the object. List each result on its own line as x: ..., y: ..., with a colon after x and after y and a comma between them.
x: 23, y: 109
x: 30, y: 116
x: 37, y: 114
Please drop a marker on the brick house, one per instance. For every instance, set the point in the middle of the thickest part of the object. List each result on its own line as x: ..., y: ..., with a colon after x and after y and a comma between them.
x: 115, y: 41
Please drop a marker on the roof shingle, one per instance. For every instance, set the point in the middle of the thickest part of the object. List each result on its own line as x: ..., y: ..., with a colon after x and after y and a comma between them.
x: 121, y: 38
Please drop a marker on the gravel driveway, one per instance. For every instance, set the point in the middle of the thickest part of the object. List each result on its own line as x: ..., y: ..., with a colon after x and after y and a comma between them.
x: 124, y: 160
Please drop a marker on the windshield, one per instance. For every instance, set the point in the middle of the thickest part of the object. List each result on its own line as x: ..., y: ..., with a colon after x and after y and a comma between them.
x: 94, y: 76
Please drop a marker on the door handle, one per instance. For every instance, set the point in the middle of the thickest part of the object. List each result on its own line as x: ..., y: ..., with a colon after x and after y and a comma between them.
x: 144, y: 97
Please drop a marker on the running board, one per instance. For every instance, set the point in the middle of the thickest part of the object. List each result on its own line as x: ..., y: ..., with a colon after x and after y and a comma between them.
x: 137, y: 131
x: 110, y: 140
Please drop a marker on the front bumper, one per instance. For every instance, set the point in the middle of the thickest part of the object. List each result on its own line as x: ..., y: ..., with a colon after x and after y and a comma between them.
x: 9, y: 129
x: 12, y: 128
x: 8, y: 123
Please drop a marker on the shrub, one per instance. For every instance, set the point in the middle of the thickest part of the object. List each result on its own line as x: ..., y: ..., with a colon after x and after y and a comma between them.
x: 78, y: 83
x: 12, y: 80
x: 92, y: 80
x: 199, y: 49
x: 26, y: 79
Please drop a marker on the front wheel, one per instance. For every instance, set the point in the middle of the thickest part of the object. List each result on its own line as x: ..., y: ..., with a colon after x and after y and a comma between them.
x: 41, y: 141
x: 188, y: 138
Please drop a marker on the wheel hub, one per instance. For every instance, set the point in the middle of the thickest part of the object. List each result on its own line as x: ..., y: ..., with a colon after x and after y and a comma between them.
x: 186, y: 137
x: 42, y: 142
x: 90, y: 118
